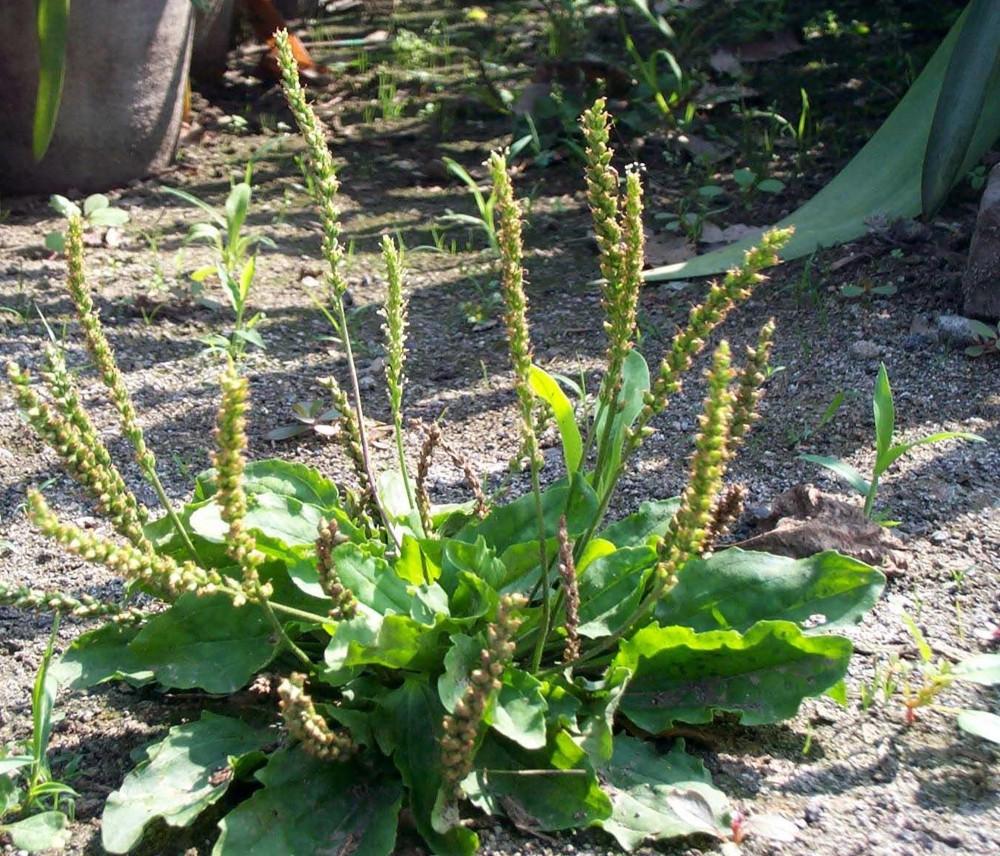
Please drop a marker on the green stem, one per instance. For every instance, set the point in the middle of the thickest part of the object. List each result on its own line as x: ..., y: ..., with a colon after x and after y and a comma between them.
x: 154, y: 480
x: 286, y: 640
x: 536, y: 659
x: 398, y: 422
x: 311, y: 617
x: 870, y: 496
x: 345, y: 337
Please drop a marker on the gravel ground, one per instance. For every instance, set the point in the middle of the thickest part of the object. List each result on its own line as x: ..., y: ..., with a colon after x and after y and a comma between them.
x: 858, y: 780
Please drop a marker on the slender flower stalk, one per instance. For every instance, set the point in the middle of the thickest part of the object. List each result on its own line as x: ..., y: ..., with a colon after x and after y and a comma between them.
x: 463, y: 726
x: 345, y: 604
x: 689, y: 529
x: 230, y: 461
x: 308, y: 726
x: 471, y: 479
x: 84, y: 606
x: 735, y: 287
x: 602, y: 189
x: 103, y: 356
x: 691, y: 525
x: 519, y: 345
x: 432, y: 436
x: 571, y: 588
x: 167, y: 578
x: 67, y: 398
x: 395, y: 334
x: 320, y: 168
x: 749, y: 392
x: 83, y: 456
x: 100, y: 350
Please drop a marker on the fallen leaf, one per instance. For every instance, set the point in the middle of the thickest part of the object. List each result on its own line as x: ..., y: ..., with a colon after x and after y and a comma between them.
x: 664, y: 248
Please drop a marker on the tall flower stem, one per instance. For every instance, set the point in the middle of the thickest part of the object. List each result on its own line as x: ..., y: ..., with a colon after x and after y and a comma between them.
x: 104, y: 358
x: 324, y: 178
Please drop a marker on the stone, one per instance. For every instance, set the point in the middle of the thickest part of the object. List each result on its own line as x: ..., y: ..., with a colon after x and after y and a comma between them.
x: 981, y: 282
x: 957, y: 329
x: 865, y: 350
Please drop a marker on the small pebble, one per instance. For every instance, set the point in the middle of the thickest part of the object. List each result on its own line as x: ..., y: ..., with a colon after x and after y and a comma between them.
x: 939, y: 536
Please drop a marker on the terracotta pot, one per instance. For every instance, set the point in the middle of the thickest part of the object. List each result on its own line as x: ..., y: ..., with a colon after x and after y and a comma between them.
x: 122, y: 102
x: 212, y: 36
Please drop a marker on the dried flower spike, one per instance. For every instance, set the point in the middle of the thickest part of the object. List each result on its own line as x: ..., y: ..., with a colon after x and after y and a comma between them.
x: 345, y: 604
x: 462, y: 727
x: 432, y: 436
x: 571, y: 590
x: 307, y: 726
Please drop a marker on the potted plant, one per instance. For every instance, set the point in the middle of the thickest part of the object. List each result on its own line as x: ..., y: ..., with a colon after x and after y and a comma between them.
x: 97, y: 99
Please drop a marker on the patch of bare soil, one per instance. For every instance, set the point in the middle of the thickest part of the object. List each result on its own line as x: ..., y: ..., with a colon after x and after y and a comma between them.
x: 855, y: 780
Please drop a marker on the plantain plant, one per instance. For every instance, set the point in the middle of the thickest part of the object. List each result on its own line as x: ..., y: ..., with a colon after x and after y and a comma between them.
x: 452, y: 660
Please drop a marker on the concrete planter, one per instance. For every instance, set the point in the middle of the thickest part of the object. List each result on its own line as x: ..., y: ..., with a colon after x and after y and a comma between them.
x: 122, y: 103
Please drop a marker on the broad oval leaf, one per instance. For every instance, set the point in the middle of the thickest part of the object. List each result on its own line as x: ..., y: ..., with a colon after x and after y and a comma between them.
x: 650, y: 521
x: 734, y: 589
x: 762, y: 676
x: 205, y: 642
x: 516, y: 522
x: 549, y: 789
x: 980, y: 723
x: 645, y: 785
x: 981, y: 669
x: 610, y: 588
x: 185, y: 773
x: 46, y: 830
x: 284, y: 478
x: 311, y: 806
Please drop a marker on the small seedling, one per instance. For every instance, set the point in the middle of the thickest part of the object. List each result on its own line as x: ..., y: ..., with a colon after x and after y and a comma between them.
x: 97, y: 211
x: 485, y: 204
x: 311, y: 416
x: 886, y: 452
x: 989, y: 339
x: 936, y: 677
x: 27, y: 787
x: 867, y: 288
x: 236, y: 262
x: 749, y: 182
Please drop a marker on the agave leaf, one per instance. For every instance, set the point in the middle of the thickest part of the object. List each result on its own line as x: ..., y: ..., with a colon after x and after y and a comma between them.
x: 762, y: 675
x: 973, y: 66
x: 185, y: 773
x: 884, y: 177
x: 645, y: 786
x: 52, y: 31
x: 308, y: 805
